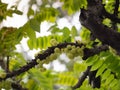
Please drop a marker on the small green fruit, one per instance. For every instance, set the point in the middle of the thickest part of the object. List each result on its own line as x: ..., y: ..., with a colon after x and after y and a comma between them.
x: 53, y: 56
x: 57, y: 50
x: 70, y: 56
x: 69, y: 47
x: 53, y: 42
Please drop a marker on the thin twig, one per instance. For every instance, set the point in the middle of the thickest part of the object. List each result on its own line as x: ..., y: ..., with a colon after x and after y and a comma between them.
x: 111, y: 16
x: 17, y: 86
x: 116, y: 7
x: 114, y: 24
x: 7, y: 64
x: 82, y: 78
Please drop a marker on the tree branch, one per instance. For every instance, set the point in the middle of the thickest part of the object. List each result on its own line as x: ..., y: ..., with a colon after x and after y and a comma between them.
x: 94, y: 81
x: 87, y: 54
x: 82, y: 78
x: 93, y: 51
x: 42, y: 56
x: 47, y: 53
x: 103, y: 33
x: 111, y: 16
x: 114, y: 24
x: 116, y: 8
x: 114, y: 16
x: 17, y: 86
x: 7, y: 64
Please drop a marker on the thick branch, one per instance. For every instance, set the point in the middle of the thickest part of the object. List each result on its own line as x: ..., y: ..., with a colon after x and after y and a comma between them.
x: 102, y: 32
x: 93, y: 51
x: 97, y: 8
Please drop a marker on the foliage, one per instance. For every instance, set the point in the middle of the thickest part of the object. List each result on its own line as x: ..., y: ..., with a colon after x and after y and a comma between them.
x: 86, y: 56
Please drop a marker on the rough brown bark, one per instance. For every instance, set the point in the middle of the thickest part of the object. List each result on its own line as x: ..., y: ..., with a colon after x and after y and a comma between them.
x: 93, y: 21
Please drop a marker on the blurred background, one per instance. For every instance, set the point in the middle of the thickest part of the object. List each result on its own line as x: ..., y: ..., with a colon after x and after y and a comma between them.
x: 65, y: 20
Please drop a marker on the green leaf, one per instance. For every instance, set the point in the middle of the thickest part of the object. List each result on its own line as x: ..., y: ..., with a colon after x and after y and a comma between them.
x: 19, y: 34
x: 66, y: 79
x: 40, y: 42
x: 45, y: 40
x: 35, y: 25
x: 32, y: 44
x: 106, y: 74
x: 100, y: 70
x: 29, y: 31
x: 52, y: 28
x: 91, y: 60
x: 109, y: 59
x: 79, y: 67
x: 117, y: 86
x: 85, y: 34
x: 110, y: 78
x: 105, y: 54
x: 16, y: 62
x: 59, y: 38
x: 114, y: 82
x: 30, y: 12
x: 68, y: 39
x: 96, y: 65
x: 41, y: 80
x: 73, y: 5
x: 18, y: 12
x: 31, y: 85
x: 48, y: 14
x: 31, y: 34
x: 55, y: 30
x: 66, y: 33
x: 74, y: 31
x: 114, y: 64
x: 116, y: 68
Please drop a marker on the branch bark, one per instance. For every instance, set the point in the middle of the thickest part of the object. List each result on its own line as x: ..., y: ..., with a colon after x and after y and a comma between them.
x: 114, y: 24
x: 17, y: 86
x: 48, y: 52
x: 82, y: 78
x: 87, y: 54
x: 33, y: 62
x: 93, y: 22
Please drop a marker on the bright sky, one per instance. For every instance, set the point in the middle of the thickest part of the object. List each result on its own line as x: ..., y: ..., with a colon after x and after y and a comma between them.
x: 20, y: 20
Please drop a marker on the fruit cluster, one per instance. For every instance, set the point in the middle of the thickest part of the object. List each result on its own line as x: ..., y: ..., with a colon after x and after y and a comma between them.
x: 71, y: 51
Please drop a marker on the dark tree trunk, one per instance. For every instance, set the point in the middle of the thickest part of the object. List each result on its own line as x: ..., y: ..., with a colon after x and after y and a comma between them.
x: 92, y: 19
